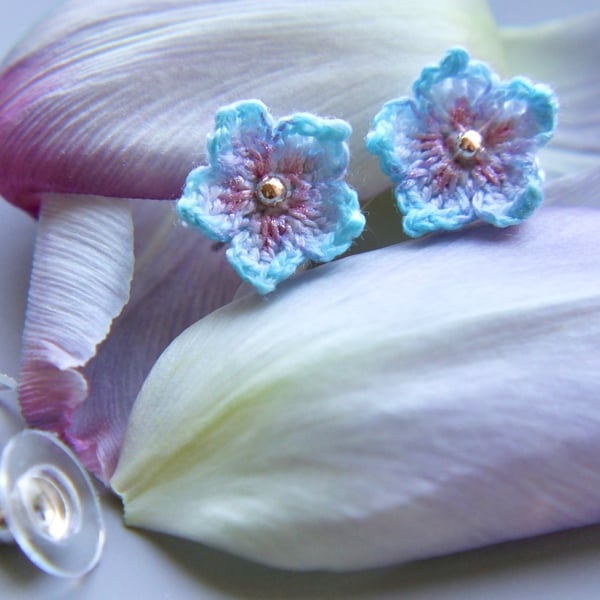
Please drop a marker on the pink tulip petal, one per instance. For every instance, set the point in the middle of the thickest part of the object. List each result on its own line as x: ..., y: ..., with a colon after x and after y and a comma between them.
x: 116, y: 99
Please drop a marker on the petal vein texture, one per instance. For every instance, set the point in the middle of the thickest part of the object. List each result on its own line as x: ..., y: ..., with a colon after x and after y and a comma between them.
x: 115, y: 98
x: 82, y: 270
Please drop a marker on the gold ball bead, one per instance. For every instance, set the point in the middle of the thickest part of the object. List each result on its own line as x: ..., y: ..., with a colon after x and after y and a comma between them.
x: 469, y: 143
x: 271, y: 190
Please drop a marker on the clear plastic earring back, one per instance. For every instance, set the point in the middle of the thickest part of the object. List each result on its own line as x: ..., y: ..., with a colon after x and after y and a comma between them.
x: 48, y: 505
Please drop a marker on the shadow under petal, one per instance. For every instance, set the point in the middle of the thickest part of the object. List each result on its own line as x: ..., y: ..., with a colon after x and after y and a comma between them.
x: 430, y: 578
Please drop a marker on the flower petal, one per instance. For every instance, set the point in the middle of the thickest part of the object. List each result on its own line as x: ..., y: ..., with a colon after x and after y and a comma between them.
x: 116, y: 99
x: 421, y: 218
x: 395, y: 125
x: 320, y: 142
x: 73, y: 381
x: 264, y: 269
x: 565, y: 55
x: 80, y: 282
x: 179, y: 277
x: 205, y: 207
x: 530, y: 109
x: 455, y: 78
x: 243, y: 124
x: 494, y: 209
x: 580, y: 189
x: 412, y: 401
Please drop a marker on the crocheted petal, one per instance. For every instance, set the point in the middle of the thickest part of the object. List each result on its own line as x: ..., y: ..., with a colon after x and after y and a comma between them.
x: 179, y: 277
x: 519, y: 117
x: 241, y: 131
x: 212, y: 205
x: 574, y: 75
x: 261, y: 266
x: 493, y: 206
x: 393, y: 135
x: 116, y: 99
x: 80, y: 282
x: 325, y: 427
x: 440, y: 87
x: 271, y: 247
x: 422, y: 217
x: 312, y: 146
x: 337, y: 222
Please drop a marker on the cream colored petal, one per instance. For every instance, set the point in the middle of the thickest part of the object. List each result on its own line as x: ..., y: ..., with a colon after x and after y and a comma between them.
x: 416, y: 400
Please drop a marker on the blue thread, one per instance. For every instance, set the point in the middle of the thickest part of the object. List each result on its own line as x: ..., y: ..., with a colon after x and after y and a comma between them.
x: 274, y: 191
x: 446, y: 177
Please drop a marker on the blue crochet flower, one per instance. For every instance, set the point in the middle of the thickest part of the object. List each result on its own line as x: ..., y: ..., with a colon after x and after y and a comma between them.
x: 464, y: 148
x: 275, y: 191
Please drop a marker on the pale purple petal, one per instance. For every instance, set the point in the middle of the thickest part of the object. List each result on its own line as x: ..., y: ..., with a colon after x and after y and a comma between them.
x: 412, y: 401
x: 82, y: 269
x: 564, y: 54
x: 73, y: 381
x: 579, y: 189
x: 178, y: 279
x: 116, y: 98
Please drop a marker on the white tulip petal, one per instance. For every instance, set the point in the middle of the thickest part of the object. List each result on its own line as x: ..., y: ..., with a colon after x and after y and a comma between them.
x: 416, y: 400
x: 80, y: 281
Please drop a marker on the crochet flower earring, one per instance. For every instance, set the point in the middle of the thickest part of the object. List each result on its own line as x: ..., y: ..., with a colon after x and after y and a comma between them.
x: 274, y: 191
x: 464, y: 148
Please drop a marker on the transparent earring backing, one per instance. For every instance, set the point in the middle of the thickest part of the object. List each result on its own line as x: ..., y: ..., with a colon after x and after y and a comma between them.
x: 48, y: 505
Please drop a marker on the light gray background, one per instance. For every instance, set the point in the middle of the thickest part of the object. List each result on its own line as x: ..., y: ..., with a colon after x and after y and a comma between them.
x: 139, y: 565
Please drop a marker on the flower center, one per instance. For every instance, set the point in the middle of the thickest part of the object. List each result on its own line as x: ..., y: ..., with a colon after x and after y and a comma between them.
x: 271, y: 190
x: 469, y: 143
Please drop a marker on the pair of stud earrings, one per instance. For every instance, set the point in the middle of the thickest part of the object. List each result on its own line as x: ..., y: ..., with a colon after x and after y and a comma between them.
x: 462, y: 149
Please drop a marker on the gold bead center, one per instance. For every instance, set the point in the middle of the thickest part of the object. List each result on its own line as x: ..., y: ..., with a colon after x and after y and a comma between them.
x: 469, y: 143
x: 271, y: 190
